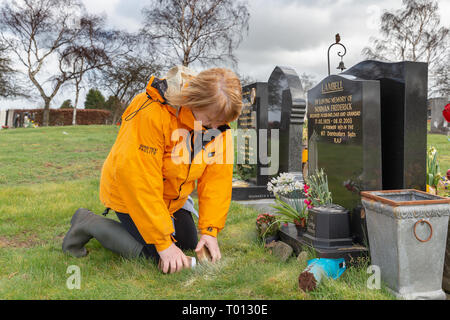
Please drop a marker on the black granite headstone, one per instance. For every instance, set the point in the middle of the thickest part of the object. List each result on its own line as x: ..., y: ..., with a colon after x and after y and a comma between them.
x: 287, y: 110
x: 251, y: 135
x: 344, y: 138
x: 272, y: 118
x: 403, y: 91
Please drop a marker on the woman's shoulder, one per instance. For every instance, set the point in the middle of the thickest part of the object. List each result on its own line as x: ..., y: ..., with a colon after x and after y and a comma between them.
x: 144, y: 108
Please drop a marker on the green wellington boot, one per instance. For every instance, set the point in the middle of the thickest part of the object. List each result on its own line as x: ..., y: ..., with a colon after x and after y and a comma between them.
x: 86, y: 225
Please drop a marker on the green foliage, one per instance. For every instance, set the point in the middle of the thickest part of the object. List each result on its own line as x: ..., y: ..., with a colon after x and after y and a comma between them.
x: 94, y: 100
x: 112, y: 103
x: 246, y: 171
x: 67, y: 104
x: 433, y: 170
x: 288, y: 213
x: 267, y: 225
x: 318, y: 193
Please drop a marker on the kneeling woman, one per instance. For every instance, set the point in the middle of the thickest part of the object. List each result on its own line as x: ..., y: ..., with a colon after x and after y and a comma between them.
x: 169, y: 139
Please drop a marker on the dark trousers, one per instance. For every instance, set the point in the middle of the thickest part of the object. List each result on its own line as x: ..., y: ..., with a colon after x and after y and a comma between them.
x: 185, y: 233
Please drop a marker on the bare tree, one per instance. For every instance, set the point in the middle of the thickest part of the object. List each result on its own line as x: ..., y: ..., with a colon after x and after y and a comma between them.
x: 415, y: 33
x: 308, y: 81
x: 45, y: 35
x: 206, y: 31
x: 125, y: 77
x: 245, y: 79
x: 96, y: 50
x: 8, y: 75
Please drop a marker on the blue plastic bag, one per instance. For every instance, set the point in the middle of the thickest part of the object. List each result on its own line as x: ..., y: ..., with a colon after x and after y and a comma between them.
x: 319, y: 268
x: 333, y: 268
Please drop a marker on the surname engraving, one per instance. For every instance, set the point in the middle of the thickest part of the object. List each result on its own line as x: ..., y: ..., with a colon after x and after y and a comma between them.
x: 330, y: 87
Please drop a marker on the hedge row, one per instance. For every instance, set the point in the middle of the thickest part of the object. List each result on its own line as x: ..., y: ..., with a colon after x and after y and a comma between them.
x: 63, y: 117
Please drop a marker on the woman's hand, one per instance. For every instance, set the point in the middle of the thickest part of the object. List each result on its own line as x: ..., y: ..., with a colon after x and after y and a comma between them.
x: 212, y: 245
x: 173, y: 259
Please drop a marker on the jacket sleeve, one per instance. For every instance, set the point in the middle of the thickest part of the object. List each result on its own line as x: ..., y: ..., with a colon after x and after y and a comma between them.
x: 139, y: 176
x: 215, y: 186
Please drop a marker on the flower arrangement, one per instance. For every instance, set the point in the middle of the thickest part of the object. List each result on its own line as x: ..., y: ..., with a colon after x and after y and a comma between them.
x: 295, y: 212
x: 316, y: 189
x: 267, y: 225
x: 443, y: 187
x: 286, y: 185
x: 433, y: 171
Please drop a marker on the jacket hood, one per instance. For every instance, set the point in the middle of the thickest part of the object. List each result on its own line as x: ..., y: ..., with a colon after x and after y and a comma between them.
x: 175, y: 79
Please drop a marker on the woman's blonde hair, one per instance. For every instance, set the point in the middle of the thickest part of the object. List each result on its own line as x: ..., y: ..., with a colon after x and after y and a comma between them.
x: 217, y: 90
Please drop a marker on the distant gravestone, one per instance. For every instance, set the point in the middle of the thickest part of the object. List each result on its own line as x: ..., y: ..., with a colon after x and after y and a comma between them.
x: 438, y: 124
x: 2, y: 118
x: 269, y: 135
x: 287, y: 110
x: 344, y: 138
x: 251, y: 136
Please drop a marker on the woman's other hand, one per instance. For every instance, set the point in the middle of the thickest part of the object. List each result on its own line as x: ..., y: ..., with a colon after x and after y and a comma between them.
x: 212, y: 245
x: 173, y: 260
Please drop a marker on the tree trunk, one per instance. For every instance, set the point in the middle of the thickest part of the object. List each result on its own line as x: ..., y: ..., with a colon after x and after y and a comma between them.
x: 46, y: 117
x: 116, y: 114
x: 118, y: 111
x: 77, y: 94
x: 74, y: 117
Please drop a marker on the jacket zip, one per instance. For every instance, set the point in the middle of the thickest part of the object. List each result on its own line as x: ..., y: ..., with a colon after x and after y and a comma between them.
x: 190, y: 164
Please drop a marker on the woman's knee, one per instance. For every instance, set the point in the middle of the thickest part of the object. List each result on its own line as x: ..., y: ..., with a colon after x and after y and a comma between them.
x: 185, y: 230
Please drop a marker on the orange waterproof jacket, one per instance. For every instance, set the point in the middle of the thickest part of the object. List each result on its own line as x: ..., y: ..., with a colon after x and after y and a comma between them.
x: 148, y: 173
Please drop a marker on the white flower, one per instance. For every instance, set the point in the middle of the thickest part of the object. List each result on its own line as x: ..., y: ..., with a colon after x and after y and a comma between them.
x: 284, y: 184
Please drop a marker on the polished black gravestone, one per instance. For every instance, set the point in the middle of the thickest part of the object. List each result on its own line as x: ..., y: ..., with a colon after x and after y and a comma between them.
x: 270, y: 131
x: 344, y: 138
x: 403, y: 92
x: 287, y: 110
x: 252, y: 126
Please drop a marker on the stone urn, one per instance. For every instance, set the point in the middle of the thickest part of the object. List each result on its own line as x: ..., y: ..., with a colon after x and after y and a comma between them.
x: 296, y: 202
x: 300, y: 226
x: 293, y: 201
x: 446, y: 275
x: 407, y: 232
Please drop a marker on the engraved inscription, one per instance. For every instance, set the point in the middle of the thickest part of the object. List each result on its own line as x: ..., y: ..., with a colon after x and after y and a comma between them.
x: 335, y: 116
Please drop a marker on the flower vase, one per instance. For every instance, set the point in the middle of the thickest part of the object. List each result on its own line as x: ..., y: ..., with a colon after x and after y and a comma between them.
x: 300, y: 227
x: 291, y: 201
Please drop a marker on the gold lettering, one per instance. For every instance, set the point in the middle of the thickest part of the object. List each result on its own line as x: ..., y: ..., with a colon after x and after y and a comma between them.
x: 331, y: 87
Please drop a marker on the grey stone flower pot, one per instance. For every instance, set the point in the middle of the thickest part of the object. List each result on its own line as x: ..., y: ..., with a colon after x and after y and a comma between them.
x: 407, y: 232
x: 292, y: 201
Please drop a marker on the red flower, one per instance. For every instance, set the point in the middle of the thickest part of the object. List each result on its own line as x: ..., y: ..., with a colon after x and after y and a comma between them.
x: 306, y: 188
x: 446, y: 112
x: 308, y: 203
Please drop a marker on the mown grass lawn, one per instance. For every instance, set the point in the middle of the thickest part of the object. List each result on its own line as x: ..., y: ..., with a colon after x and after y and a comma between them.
x: 47, y: 173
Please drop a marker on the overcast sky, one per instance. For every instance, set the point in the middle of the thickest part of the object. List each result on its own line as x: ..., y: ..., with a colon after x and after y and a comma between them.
x: 295, y: 33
